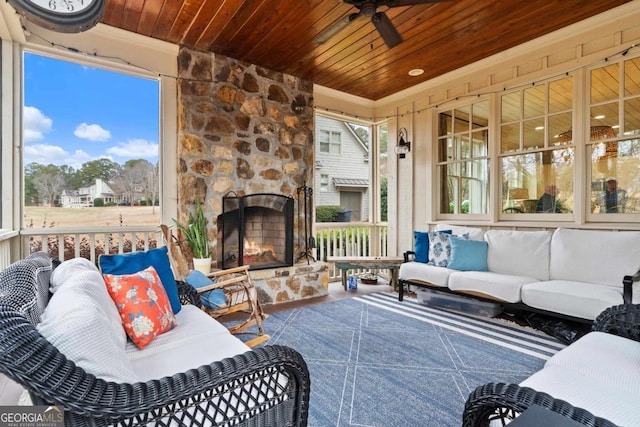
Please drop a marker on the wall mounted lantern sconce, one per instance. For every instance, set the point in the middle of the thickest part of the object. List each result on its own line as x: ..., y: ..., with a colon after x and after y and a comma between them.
x: 404, y: 146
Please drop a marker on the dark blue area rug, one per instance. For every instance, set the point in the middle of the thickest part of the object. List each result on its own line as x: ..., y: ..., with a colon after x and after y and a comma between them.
x: 377, y: 362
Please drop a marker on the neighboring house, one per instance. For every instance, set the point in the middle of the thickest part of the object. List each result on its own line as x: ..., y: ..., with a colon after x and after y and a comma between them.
x: 84, y: 197
x: 341, y: 168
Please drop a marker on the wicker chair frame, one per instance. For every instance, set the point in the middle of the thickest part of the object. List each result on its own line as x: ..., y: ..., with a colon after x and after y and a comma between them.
x: 503, y: 402
x: 267, y: 386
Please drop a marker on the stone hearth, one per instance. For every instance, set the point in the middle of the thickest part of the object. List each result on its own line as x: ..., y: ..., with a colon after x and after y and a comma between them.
x: 286, y: 284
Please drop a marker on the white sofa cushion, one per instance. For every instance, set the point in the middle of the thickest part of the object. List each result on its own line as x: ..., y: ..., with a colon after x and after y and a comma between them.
x: 602, y: 257
x: 503, y: 287
x: 519, y: 253
x: 198, y: 340
x: 578, y: 299
x: 423, y: 273
x: 78, y: 323
x: 457, y: 230
x: 605, y: 357
x: 80, y: 275
x: 601, y: 399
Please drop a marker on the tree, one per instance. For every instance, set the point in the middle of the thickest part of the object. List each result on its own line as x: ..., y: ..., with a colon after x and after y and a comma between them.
x: 138, y: 179
x: 103, y: 169
x: 31, y: 197
x: 49, y: 182
x: 383, y: 199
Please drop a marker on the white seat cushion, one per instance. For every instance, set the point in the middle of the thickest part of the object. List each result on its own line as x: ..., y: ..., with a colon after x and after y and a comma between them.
x: 579, y: 299
x: 604, y: 357
x: 601, y: 399
x: 519, y: 253
x: 504, y: 287
x: 421, y: 272
x: 197, y: 340
x: 592, y: 256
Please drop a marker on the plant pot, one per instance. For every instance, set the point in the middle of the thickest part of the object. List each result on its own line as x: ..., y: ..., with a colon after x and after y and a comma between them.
x: 202, y: 264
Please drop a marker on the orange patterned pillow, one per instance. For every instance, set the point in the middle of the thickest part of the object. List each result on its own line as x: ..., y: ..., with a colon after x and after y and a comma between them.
x: 143, y: 304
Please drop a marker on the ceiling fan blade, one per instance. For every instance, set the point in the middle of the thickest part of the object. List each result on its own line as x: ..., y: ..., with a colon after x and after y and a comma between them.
x: 386, y: 29
x: 396, y: 3
x: 334, y: 29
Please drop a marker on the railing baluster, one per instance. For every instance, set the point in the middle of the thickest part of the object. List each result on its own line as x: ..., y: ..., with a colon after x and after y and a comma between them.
x: 350, y: 239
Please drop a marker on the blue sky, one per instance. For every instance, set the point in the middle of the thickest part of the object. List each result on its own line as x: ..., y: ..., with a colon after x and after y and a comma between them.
x: 75, y: 113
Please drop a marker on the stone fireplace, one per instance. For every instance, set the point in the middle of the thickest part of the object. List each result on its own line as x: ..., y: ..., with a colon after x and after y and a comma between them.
x: 245, y: 130
x: 256, y: 229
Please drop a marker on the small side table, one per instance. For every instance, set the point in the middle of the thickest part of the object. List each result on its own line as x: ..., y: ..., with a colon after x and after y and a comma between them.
x: 346, y: 263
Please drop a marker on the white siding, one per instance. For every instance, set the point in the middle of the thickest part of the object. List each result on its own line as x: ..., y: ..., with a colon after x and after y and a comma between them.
x: 351, y: 163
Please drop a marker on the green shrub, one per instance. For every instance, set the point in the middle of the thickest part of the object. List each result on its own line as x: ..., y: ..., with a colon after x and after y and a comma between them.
x: 327, y: 213
x: 98, y: 202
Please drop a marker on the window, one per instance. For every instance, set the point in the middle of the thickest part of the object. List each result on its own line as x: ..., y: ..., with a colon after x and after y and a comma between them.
x: 90, y: 140
x: 329, y: 142
x: 463, y: 164
x: 536, y: 148
x: 324, y: 182
x: 614, y: 144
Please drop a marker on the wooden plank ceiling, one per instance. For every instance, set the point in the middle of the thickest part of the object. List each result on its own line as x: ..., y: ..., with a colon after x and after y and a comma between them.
x: 279, y: 34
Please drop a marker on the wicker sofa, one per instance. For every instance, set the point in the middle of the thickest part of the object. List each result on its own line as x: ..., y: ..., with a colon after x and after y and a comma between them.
x: 595, y: 381
x: 568, y: 273
x: 198, y: 374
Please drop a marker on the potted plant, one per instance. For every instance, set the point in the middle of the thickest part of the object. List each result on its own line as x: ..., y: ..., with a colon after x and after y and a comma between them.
x: 195, y: 233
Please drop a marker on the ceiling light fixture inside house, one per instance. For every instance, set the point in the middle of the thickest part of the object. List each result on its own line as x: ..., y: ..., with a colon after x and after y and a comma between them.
x: 416, y: 72
x: 600, y: 117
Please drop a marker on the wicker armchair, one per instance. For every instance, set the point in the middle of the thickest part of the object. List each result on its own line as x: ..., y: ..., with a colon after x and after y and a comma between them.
x: 268, y: 386
x: 501, y: 402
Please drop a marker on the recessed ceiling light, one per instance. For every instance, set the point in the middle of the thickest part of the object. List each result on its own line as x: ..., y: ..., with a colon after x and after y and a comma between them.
x: 539, y: 127
x: 600, y: 117
x: 416, y: 72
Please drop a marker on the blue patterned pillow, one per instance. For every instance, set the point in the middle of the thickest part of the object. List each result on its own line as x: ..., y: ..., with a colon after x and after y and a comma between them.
x: 439, y: 248
x: 421, y: 245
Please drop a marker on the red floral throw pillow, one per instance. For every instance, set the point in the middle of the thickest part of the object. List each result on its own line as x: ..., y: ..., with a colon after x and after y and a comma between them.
x: 143, y: 304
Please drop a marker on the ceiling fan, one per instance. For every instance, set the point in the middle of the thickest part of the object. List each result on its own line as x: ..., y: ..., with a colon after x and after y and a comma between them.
x: 380, y: 20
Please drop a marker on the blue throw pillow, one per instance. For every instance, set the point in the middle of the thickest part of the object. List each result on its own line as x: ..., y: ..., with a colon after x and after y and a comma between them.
x: 212, y: 299
x: 137, y: 261
x: 421, y: 245
x: 468, y: 255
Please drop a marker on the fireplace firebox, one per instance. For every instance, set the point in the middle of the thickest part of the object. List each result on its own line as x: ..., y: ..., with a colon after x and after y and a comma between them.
x: 256, y: 230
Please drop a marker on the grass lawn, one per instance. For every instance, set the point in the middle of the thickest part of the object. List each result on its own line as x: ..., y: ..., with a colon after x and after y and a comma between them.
x: 108, y: 216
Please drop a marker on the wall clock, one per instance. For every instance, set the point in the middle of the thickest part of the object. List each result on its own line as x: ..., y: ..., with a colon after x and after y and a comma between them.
x: 66, y: 16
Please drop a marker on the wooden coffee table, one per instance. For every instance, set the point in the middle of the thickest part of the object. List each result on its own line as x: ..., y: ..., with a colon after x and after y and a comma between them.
x: 346, y: 263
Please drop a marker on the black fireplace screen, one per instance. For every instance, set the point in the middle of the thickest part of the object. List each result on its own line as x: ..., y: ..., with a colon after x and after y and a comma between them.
x: 256, y: 230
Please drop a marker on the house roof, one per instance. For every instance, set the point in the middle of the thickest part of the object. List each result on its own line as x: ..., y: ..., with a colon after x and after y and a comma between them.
x: 279, y: 35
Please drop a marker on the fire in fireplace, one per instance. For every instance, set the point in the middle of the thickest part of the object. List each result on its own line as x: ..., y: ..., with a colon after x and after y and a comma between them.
x: 256, y: 230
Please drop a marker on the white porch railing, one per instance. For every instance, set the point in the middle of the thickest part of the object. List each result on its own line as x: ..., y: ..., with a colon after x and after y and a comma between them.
x: 332, y: 239
x: 67, y: 243
x: 350, y: 239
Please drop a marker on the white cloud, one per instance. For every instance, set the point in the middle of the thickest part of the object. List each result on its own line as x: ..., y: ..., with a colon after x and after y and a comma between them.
x: 51, y: 154
x: 35, y: 124
x: 92, y: 132
x: 135, y: 148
